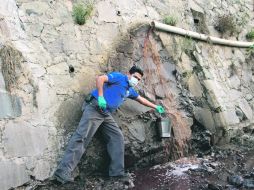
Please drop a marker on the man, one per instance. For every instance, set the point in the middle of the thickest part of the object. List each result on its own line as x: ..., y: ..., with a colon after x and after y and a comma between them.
x: 112, y: 89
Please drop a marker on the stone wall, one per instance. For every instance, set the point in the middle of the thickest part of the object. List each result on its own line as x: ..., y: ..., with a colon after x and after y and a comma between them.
x: 48, y: 64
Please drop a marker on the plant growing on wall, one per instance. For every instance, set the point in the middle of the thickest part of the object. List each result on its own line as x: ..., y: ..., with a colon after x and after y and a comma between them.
x: 250, y: 50
x: 170, y: 20
x: 250, y: 35
x: 81, y: 12
x: 226, y: 23
x: 187, y: 45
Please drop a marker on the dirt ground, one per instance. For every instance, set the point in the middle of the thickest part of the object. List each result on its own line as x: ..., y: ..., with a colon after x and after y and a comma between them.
x: 229, y: 168
x: 224, y: 169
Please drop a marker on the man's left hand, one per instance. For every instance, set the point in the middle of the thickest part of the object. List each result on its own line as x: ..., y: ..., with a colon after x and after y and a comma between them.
x: 160, y: 109
x: 102, y: 102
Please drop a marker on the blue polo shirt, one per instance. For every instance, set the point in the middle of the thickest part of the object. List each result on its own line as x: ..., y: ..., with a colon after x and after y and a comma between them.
x: 116, y: 90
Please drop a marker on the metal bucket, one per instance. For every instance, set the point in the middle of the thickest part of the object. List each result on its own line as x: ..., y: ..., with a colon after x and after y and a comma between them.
x: 164, y: 127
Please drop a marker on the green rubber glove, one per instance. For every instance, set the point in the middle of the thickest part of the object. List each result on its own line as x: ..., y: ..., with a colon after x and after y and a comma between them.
x: 102, y: 102
x: 160, y: 109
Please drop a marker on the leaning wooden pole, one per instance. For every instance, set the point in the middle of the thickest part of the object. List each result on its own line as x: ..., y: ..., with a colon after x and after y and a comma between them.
x: 199, y: 36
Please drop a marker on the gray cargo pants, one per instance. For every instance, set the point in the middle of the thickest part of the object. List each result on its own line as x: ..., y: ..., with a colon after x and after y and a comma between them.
x: 91, y: 119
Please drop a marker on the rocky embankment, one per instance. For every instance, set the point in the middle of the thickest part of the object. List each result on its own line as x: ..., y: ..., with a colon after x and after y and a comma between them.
x: 48, y: 63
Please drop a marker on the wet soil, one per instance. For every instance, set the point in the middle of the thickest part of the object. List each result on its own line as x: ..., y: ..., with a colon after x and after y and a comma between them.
x: 209, y: 172
x: 224, y: 168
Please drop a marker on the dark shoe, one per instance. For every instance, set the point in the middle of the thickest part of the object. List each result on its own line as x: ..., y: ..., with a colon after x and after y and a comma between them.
x: 125, y: 178
x: 63, y: 177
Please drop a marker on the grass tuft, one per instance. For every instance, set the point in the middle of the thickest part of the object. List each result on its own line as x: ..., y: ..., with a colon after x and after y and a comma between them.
x: 170, y: 20
x: 81, y: 12
x: 250, y: 35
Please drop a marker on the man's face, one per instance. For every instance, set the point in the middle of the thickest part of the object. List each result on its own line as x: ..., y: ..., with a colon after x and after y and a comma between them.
x: 134, y: 79
x: 137, y: 76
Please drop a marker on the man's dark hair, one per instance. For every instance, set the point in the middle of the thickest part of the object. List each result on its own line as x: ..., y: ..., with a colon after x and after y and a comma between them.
x: 136, y: 69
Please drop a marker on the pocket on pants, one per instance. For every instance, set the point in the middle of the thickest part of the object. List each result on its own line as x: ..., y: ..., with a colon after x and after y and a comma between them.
x: 102, y: 111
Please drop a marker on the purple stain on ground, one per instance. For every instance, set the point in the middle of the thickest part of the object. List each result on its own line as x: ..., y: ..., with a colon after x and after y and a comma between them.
x: 160, y: 179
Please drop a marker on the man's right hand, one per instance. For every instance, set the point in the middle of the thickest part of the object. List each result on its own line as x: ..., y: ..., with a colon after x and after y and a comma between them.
x: 160, y: 109
x: 102, y: 102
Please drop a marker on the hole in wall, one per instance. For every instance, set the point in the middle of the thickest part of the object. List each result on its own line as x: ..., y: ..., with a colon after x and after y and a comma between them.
x: 196, y: 21
x: 71, y: 69
x: 200, y: 22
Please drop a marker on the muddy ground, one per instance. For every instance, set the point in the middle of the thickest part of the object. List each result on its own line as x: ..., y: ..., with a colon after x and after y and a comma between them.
x: 229, y: 168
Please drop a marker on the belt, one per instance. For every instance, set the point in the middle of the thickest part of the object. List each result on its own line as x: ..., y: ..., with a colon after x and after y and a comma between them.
x: 89, y: 98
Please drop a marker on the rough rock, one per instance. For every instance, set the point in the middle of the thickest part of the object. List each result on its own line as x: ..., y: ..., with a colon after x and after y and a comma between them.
x: 30, y: 141
x: 42, y: 104
x: 13, y: 174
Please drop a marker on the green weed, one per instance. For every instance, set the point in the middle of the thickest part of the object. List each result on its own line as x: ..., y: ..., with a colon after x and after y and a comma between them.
x: 250, y: 35
x: 250, y: 50
x: 170, y: 20
x: 81, y: 12
x: 187, y: 45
